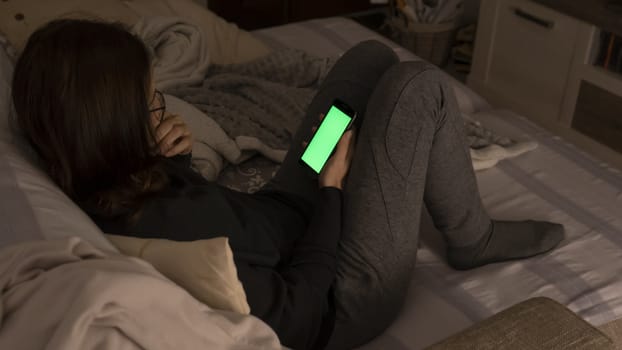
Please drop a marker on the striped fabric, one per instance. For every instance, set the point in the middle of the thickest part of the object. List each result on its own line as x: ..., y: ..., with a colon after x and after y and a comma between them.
x: 556, y: 182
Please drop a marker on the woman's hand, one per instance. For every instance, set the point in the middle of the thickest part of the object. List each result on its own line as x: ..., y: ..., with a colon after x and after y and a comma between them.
x: 336, y: 168
x: 173, y: 136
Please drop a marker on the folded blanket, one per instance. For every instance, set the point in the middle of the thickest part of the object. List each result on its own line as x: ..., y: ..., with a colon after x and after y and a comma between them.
x: 67, y: 295
x: 488, y: 148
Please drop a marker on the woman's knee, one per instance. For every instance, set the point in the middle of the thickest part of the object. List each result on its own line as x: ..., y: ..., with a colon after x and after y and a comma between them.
x: 414, y: 86
x: 376, y: 51
x: 413, y: 73
x: 369, y: 57
x: 406, y: 107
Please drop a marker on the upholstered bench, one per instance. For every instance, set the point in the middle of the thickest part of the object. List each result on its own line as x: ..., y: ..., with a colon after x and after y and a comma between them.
x: 535, y: 324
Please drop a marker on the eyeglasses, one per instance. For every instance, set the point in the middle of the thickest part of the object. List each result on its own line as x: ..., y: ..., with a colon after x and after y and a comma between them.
x: 160, y: 103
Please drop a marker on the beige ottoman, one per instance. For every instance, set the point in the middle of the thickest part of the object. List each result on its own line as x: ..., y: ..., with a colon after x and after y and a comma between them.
x: 613, y: 329
x: 535, y: 324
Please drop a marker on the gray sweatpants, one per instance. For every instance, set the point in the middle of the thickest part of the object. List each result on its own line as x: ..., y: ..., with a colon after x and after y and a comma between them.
x: 410, y: 149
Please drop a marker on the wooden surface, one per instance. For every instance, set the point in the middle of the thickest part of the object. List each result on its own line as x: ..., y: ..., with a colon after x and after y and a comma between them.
x: 605, y: 14
x: 598, y: 115
x: 305, y: 9
x: 254, y: 14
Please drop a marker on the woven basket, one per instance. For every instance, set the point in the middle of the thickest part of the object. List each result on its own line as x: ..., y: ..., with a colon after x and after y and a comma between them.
x: 430, y: 41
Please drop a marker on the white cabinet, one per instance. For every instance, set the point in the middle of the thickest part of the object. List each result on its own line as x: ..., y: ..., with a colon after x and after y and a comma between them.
x: 524, y: 60
x: 538, y: 62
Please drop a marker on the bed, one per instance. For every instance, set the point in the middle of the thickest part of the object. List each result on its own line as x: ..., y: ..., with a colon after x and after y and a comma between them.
x: 555, y: 182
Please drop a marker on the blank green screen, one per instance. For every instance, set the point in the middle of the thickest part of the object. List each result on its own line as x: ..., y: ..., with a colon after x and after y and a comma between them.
x: 326, y: 138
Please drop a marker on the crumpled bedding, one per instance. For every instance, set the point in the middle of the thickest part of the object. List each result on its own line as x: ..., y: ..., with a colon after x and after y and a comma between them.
x: 487, y: 148
x: 67, y: 295
x: 259, y: 104
x: 179, y: 49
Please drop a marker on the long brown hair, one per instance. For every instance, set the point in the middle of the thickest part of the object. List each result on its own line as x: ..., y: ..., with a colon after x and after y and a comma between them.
x: 80, y: 90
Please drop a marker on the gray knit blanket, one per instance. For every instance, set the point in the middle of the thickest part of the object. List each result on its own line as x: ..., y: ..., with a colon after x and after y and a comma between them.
x: 265, y: 98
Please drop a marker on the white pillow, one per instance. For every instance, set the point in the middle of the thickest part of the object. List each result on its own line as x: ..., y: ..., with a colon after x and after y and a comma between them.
x: 33, y: 207
x: 204, y: 268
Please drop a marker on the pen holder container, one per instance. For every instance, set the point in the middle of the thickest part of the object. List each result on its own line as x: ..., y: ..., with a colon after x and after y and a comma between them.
x: 430, y: 41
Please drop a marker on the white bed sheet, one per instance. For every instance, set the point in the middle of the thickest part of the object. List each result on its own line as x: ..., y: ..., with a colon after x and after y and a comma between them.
x: 555, y: 182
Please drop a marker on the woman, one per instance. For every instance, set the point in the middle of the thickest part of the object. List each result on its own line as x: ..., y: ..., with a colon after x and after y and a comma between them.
x: 321, y: 259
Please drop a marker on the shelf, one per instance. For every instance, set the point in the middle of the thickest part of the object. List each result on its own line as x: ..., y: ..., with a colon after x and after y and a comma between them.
x: 603, y: 78
x: 606, y: 51
x: 597, y: 93
x: 597, y: 115
x: 591, y: 70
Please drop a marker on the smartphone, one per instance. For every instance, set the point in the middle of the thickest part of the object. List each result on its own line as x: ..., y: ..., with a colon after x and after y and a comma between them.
x: 336, y: 122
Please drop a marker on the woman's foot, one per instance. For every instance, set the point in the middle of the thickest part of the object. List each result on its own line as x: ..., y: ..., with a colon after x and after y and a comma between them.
x: 507, y: 240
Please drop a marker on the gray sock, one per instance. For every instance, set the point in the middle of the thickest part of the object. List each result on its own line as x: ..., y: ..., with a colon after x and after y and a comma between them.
x: 507, y: 240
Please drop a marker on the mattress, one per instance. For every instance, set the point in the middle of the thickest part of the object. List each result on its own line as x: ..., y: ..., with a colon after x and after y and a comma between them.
x: 555, y: 182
